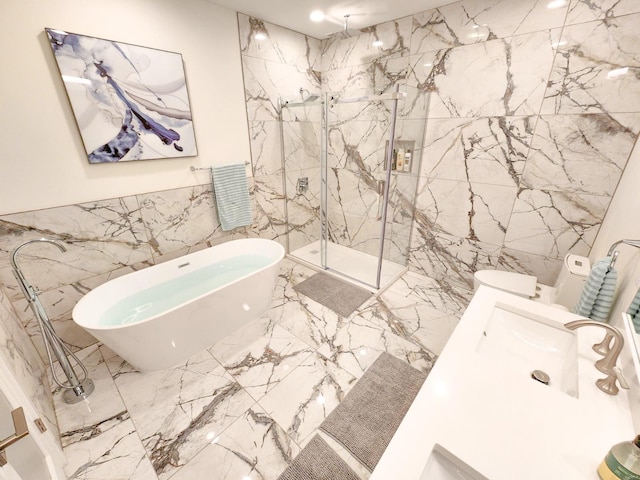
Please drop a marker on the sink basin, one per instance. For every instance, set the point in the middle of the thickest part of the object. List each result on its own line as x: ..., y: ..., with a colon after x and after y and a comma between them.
x: 524, y: 342
x: 443, y: 465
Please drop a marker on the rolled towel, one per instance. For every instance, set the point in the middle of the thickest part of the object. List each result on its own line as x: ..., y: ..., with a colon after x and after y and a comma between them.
x: 598, y: 292
x: 634, y: 311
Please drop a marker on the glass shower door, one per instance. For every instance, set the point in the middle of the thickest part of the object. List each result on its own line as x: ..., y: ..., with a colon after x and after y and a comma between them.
x: 358, y: 156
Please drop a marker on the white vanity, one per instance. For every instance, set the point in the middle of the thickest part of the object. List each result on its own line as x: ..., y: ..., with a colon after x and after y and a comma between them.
x: 480, y: 415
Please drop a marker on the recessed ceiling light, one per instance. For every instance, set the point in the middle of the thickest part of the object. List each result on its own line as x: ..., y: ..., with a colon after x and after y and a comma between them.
x: 317, y: 16
x: 260, y: 36
x: 617, y: 72
x: 557, y: 4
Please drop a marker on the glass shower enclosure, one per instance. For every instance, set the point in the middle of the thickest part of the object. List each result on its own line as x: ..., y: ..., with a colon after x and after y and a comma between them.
x: 351, y: 166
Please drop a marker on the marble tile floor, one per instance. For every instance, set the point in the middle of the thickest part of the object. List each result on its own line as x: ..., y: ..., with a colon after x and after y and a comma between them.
x: 243, y: 409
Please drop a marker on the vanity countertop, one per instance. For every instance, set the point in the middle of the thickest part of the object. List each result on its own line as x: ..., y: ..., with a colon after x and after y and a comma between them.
x: 501, y: 424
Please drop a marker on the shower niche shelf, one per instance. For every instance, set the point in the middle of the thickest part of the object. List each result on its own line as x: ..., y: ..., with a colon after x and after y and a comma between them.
x: 403, y: 151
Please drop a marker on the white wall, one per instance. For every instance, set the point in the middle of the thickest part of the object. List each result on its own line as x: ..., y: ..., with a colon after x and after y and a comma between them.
x: 43, y: 162
x: 623, y: 222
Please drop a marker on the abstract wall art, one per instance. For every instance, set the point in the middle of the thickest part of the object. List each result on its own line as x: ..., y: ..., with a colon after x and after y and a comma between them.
x: 129, y: 102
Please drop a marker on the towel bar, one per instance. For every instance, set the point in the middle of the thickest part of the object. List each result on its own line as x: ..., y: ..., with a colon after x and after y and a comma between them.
x: 613, y: 252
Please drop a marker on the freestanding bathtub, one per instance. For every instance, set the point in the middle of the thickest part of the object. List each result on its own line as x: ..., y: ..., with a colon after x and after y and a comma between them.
x: 158, y: 317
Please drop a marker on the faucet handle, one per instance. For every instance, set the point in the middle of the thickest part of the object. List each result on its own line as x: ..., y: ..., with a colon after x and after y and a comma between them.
x: 620, y: 376
x: 608, y: 384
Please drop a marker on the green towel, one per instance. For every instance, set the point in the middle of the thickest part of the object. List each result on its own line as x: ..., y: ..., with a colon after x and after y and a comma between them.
x: 232, y: 195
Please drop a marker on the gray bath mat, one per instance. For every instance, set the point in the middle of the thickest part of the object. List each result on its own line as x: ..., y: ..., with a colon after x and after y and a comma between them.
x: 369, y: 415
x: 341, y: 297
x: 317, y: 461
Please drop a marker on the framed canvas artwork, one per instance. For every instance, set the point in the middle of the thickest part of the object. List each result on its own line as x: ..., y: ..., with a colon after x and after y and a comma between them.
x: 129, y: 102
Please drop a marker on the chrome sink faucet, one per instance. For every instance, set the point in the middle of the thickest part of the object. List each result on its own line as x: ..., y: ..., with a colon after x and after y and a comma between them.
x: 606, y: 364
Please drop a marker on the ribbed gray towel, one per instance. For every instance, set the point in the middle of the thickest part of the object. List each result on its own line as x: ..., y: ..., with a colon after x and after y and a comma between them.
x: 232, y: 196
x: 634, y: 311
x: 597, y: 295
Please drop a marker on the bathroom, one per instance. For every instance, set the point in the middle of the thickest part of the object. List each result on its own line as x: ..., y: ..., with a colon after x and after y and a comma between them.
x: 491, y: 190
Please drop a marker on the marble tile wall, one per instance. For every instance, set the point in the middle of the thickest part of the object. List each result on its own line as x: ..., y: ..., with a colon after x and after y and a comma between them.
x: 106, y: 239
x: 283, y: 64
x: 532, y: 114
x: 528, y: 132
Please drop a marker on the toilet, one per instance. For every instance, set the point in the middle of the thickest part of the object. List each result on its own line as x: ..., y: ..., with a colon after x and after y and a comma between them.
x: 565, y: 292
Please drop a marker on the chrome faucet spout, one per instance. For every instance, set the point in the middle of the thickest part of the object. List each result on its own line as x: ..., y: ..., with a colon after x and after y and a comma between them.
x: 606, y: 364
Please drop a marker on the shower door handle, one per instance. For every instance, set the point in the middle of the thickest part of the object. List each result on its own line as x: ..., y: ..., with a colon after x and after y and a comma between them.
x: 21, y: 431
x: 380, y: 185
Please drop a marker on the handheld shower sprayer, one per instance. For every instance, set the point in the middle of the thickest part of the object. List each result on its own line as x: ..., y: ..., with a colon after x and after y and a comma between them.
x: 76, y: 389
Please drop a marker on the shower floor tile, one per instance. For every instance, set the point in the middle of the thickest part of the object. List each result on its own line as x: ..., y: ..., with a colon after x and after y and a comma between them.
x: 358, y: 267
x: 245, y: 407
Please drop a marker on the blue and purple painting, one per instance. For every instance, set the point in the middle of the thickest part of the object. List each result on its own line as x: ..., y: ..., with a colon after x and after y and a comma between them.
x: 130, y: 102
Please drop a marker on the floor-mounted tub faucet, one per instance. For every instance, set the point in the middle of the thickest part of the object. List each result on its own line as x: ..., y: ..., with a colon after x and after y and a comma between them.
x: 76, y: 389
x: 607, y: 364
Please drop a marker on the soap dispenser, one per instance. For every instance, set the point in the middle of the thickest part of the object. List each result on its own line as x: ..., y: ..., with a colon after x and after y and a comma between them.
x: 622, y: 462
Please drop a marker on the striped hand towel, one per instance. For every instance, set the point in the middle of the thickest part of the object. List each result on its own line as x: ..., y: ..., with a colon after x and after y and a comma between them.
x: 232, y: 195
x: 597, y: 295
x: 634, y: 311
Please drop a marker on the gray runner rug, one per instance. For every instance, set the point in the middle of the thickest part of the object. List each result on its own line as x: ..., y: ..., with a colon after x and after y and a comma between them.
x: 370, y: 414
x: 317, y: 461
x: 341, y: 297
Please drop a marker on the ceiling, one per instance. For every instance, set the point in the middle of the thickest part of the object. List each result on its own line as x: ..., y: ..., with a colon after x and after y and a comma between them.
x: 294, y: 14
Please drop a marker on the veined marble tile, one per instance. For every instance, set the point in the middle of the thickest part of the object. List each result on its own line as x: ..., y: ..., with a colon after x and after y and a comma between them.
x: 412, y: 320
x: 447, y: 257
x: 180, y: 218
x: 301, y: 145
x: 266, y: 154
x: 489, y: 150
x: 551, y: 224
x: 99, y: 237
x: 59, y: 305
x: 502, y: 77
x: 359, y: 232
x: 301, y: 402
x: 305, y: 318
x: 261, y: 365
x: 477, y: 211
x: 113, y: 451
x: 435, y: 294
x: 546, y: 269
x: 354, y: 191
x: 176, y: 411
x: 379, y: 76
x: 595, y: 68
x: 307, y: 201
x: 255, y: 447
x: 303, y: 229
x: 397, y: 239
x: 237, y: 342
x: 265, y: 82
x: 80, y: 421
x: 581, y: 153
x: 268, y: 215
x: 360, y: 342
x: 474, y: 21
x: 358, y: 145
x: 358, y: 48
x: 280, y: 45
x: 581, y: 11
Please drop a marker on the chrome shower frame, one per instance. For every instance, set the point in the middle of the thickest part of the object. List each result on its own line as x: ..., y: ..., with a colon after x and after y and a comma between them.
x: 76, y: 390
